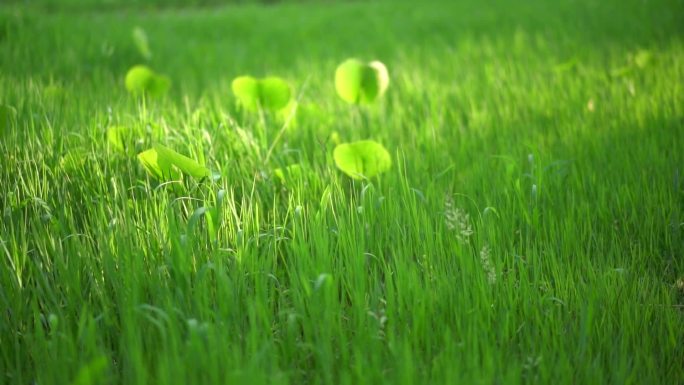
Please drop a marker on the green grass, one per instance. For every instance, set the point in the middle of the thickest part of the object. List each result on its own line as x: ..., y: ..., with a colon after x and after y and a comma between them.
x: 529, y: 230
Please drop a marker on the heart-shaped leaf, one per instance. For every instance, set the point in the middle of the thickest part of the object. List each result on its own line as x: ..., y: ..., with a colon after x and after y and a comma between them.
x: 141, y: 79
x: 246, y: 89
x: 164, y: 164
x: 271, y: 93
x: 274, y: 92
x: 138, y: 79
x: 159, y: 85
x: 358, y: 82
x: 362, y: 159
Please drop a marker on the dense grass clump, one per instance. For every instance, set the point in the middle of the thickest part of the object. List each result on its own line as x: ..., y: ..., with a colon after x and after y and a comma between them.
x: 527, y: 227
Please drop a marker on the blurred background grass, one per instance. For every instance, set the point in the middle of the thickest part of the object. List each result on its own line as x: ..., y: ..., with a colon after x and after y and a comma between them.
x: 72, y: 5
x: 249, y: 36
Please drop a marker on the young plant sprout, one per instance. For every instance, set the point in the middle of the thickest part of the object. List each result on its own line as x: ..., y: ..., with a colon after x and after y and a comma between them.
x: 270, y: 93
x: 362, y: 159
x: 357, y: 82
x: 141, y: 79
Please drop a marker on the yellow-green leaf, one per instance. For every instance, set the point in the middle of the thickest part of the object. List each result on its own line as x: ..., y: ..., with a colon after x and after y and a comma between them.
x: 271, y: 93
x: 185, y: 164
x: 362, y: 159
x: 141, y: 79
x: 359, y: 82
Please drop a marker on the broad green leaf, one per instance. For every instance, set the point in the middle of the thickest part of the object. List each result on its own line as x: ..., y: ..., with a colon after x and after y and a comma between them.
x: 159, y: 167
x: 142, y: 43
x: 246, y: 89
x: 141, y: 79
x: 138, y: 79
x: 377, y: 79
x: 271, y: 93
x: 159, y: 86
x: 274, y: 93
x: 348, y: 78
x: 185, y: 164
x: 358, y: 82
x: 362, y: 159
x: 164, y: 164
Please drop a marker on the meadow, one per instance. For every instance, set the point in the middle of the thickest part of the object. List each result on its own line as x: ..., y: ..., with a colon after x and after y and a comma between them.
x: 528, y: 230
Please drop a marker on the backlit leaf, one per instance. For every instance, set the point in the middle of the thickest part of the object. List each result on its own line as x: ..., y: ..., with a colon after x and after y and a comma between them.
x: 274, y: 93
x: 358, y: 82
x: 159, y: 167
x: 348, y: 79
x: 141, y: 79
x: 185, y: 164
x: 271, y: 93
x: 362, y: 159
x: 246, y: 89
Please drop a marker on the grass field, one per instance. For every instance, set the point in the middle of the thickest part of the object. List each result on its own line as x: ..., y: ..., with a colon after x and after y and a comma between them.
x: 530, y: 229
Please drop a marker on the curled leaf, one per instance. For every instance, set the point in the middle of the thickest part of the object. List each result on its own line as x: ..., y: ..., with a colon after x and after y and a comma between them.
x: 165, y: 164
